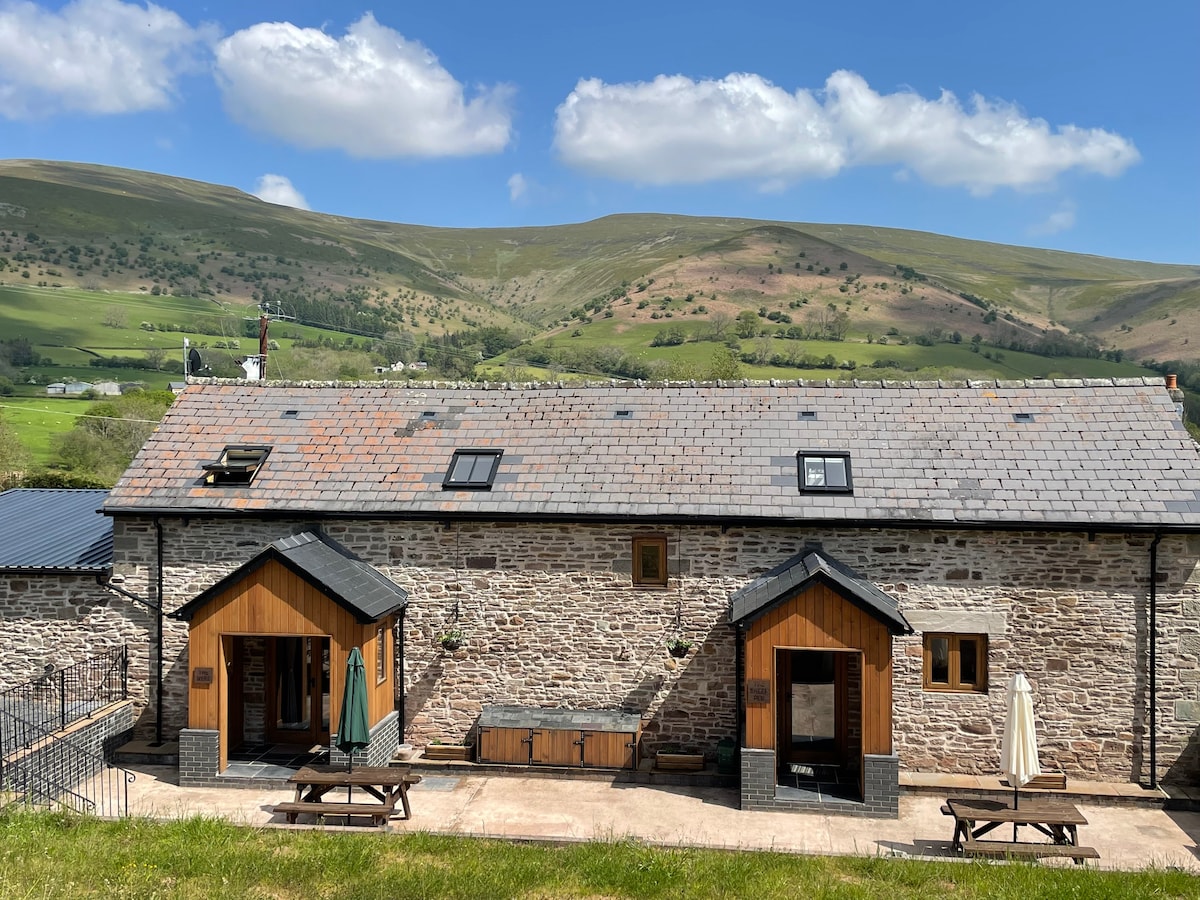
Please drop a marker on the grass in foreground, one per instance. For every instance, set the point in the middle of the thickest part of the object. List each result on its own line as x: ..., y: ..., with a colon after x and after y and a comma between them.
x: 50, y: 855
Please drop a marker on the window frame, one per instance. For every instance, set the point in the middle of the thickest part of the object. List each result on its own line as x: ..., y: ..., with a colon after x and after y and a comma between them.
x: 381, y: 655
x: 803, y: 456
x: 639, y: 578
x: 475, y: 484
x: 247, y: 460
x: 954, y: 685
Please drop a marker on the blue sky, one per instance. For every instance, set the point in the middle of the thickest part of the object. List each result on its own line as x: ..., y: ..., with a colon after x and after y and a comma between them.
x: 1051, y: 124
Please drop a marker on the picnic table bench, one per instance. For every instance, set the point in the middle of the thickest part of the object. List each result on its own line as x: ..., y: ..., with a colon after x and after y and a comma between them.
x: 386, y: 784
x: 1056, y: 819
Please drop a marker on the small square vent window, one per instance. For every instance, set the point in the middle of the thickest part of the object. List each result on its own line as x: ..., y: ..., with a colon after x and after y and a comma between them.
x: 291, y: 413
x: 808, y: 414
x: 1022, y: 417
x: 824, y: 472
x: 429, y: 414
x: 237, y: 464
x: 623, y: 414
x: 472, y: 470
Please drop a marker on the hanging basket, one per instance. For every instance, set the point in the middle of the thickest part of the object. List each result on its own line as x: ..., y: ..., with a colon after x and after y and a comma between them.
x: 452, y: 640
x: 678, y: 647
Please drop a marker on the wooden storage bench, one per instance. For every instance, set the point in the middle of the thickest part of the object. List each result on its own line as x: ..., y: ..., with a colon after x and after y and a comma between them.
x: 589, y: 738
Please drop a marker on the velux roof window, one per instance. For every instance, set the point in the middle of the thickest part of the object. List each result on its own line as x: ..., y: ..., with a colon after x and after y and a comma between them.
x: 237, y: 464
x: 472, y: 470
x: 824, y: 472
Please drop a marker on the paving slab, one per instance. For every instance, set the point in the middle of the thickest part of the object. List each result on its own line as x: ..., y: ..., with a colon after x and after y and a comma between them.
x: 572, y: 810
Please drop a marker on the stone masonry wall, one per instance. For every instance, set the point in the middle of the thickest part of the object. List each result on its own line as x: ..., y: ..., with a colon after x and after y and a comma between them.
x: 551, y: 619
x: 60, y: 620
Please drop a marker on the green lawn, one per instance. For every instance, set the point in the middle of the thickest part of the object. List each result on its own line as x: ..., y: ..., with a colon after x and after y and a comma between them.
x: 45, y: 855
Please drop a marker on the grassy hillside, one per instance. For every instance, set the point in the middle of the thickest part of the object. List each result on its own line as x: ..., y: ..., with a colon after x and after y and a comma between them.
x: 105, y: 272
x: 135, y: 231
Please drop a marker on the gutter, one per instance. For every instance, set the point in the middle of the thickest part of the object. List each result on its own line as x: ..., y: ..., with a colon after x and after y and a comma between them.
x: 324, y: 515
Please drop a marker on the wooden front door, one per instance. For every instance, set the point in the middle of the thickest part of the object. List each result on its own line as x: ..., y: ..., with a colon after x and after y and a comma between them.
x: 297, y: 689
x: 813, y: 704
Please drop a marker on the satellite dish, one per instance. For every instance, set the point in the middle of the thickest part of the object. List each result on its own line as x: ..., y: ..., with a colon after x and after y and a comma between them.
x: 195, y: 363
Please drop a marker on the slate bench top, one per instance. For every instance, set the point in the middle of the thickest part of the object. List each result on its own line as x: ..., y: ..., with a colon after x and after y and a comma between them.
x: 561, y: 719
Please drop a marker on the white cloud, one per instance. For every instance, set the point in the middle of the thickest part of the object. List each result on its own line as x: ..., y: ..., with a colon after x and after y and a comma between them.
x: 100, y: 57
x: 1063, y: 219
x: 371, y: 93
x: 518, y: 187
x: 279, y: 189
x: 675, y: 130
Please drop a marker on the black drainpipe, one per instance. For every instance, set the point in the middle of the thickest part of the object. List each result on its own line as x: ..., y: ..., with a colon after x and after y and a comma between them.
x: 158, y: 686
x: 739, y: 666
x: 1154, y: 660
x: 400, y: 672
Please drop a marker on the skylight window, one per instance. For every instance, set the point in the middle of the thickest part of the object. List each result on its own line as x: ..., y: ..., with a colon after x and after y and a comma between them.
x: 824, y: 472
x: 237, y: 464
x: 472, y: 470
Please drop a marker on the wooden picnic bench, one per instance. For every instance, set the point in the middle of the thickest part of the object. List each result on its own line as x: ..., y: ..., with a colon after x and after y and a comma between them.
x: 386, y: 784
x: 1056, y: 819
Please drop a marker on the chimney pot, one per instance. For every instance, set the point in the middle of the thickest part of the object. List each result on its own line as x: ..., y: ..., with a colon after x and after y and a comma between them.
x: 1172, y: 382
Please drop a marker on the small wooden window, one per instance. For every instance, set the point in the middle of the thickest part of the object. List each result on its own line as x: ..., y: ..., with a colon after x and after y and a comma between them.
x: 956, y: 662
x: 650, y: 561
x: 381, y: 655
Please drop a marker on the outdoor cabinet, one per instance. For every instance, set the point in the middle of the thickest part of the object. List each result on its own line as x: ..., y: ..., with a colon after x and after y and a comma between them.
x: 593, y: 738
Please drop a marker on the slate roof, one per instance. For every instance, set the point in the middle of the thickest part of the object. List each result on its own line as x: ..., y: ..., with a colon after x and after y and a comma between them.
x: 54, y: 530
x: 339, y: 574
x: 794, y: 575
x: 1097, y: 453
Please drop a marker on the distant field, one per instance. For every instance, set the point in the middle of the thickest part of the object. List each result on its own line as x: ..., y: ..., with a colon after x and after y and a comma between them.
x: 36, y: 421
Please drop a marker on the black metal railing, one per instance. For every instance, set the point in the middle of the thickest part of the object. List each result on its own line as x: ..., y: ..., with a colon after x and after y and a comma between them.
x: 41, y: 766
x: 56, y: 771
x: 60, y: 697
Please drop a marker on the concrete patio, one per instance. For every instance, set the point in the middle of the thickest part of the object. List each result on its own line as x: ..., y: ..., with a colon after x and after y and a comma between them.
x: 1128, y: 835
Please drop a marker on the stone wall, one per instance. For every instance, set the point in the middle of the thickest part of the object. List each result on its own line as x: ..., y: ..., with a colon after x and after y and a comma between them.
x: 552, y: 619
x: 60, y: 620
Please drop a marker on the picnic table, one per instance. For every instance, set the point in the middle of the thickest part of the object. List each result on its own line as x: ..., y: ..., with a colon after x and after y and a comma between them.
x: 1056, y: 819
x: 385, y: 784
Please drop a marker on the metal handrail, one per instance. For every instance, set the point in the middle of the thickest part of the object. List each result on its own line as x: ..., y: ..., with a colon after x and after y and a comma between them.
x: 60, y: 767
x: 60, y: 697
x: 37, y: 761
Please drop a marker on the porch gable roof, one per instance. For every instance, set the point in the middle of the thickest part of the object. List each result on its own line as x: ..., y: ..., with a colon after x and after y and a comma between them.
x: 350, y: 582
x: 807, y: 567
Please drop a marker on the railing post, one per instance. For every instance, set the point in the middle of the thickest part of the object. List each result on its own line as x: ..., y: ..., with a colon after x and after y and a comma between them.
x: 62, y: 699
x: 125, y: 672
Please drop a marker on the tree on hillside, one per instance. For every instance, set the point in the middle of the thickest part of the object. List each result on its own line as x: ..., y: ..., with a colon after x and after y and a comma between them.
x: 114, y: 317
x: 14, y: 458
x: 724, y: 365
x: 109, y: 434
x: 747, y: 324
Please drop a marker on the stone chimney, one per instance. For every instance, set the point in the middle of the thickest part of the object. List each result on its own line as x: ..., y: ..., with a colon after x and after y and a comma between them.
x: 1176, y: 394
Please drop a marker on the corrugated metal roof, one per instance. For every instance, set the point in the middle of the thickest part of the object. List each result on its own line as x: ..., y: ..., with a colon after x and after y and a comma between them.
x: 1094, y: 452
x: 339, y: 574
x: 794, y: 575
x: 48, y: 529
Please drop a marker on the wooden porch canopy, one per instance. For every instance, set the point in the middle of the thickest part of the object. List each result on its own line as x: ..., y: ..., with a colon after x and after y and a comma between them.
x: 812, y: 601
x: 305, y: 585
